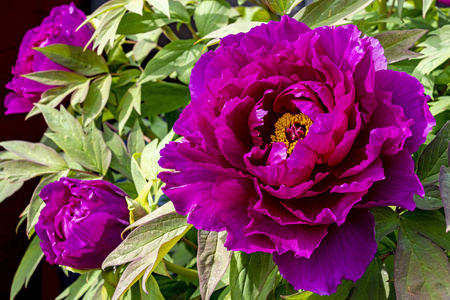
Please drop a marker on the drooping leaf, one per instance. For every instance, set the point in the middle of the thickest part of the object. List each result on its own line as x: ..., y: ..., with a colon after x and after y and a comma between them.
x: 386, y: 221
x: 77, y: 289
x: 131, y: 99
x: 106, y: 30
x: 422, y: 270
x: 177, y: 56
x: 120, y: 159
x: 252, y: 276
x: 26, y: 268
x: 396, y: 43
x: 54, y: 77
x: 211, y: 15
x: 96, y: 98
x: 212, y: 260
x: 88, y: 149
x: 162, y: 5
x: 434, y: 155
x: 22, y: 170
x: 163, y: 97
x: 78, y: 59
x: 7, y: 189
x: 329, y: 12
x: 135, y: 6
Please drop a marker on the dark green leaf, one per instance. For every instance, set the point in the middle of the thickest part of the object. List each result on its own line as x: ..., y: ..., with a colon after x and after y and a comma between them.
x: 329, y: 12
x: 422, y: 270
x: 444, y: 187
x: 212, y: 260
x: 127, y: 76
x: 211, y: 15
x: 177, y: 56
x: 29, y: 262
x: 386, y: 221
x: 78, y: 59
x: 252, y: 276
x: 371, y: 285
x: 163, y: 97
x: 397, y: 43
x: 434, y: 155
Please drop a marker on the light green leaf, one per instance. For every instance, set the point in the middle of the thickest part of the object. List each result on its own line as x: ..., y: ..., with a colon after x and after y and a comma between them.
x: 80, y: 94
x: 22, y: 170
x: 280, y: 7
x: 55, y: 77
x: 136, y: 173
x: 397, y: 43
x: 166, y: 209
x: 106, y: 30
x: 136, y: 142
x: 329, y: 12
x: 120, y: 159
x: 426, y: 6
x: 154, y: 293
x: 132, y: 98
x: 434, y: 155
x: 211, y: 15
x: 233, y: 28
x: 386, y: 221
x: 88, y: 149
x: 212, y: 260
x: 135, y: 6
x: 177, y: 56
x: 77, y: 289
x: 178, y: 12
x: 439, y: 105
x: 7, y: 189
x: 127, y: 76
x: 35, y: 152
x: 28, y: 264
x: 107, y: 6
x: 96, y: 98
x: 148, y: 21
x: 162, y: 5
x: 163, y: 97
x: 422, y: 270
x: 83, y: 61
x: 252, y: 276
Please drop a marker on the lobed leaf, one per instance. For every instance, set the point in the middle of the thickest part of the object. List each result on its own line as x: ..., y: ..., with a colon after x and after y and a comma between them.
x: 397, y: 43
x: 211, y: 15
x: 7, y: 188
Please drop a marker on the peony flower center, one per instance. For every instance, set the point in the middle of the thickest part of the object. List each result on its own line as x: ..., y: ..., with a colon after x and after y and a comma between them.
x: 290, y: 128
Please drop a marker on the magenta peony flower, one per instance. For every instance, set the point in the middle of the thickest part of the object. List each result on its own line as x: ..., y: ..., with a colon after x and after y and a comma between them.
x: 58, y: 28
x: 81, y: 222
x: 291, y: 136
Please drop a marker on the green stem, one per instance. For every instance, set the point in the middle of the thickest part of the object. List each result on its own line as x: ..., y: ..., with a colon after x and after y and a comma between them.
x: 191, y: 29
x: 169, y: 33
x: 382, y: 10
x: 188, y: 273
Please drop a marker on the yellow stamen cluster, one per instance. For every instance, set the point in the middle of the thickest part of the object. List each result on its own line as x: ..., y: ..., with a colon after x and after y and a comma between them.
x: 286, y: 121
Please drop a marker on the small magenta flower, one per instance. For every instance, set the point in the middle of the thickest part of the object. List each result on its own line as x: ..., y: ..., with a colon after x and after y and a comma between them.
x: 291, y: 136
x: 58, y: 28
x: 81, y: 222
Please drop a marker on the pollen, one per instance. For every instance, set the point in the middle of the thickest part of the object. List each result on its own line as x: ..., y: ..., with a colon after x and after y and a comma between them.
x: 290, y: 128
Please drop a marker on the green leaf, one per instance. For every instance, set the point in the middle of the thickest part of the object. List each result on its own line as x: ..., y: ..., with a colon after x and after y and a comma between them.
x: 36, y: 203
x: 108, y: 28
x: 341, y: 293
x: 28, y: 264
x: 55, y: 77
x: 444, y: 188
x: 177, y: 56
x: 7, y: 188
x: 397, y: 43
x: 135, y: 6
x: 163, y: 97
x: 80, y: 94
x: 211, y: 15
x: 88, y: 149
x: 280, y: 7
x: 136, y: 142
x: 436, y: 51
x: 96, y: 98
x: 439, y: 105
x: 178, y: 12
x: 386, y: 221
x: 162, y: 5
x: 329, y: 12
x: 252, y: 276
x: 145, y: 247
x: 426, y: 6
x: 166, y: 209
x: 136, y: 173
x: 77, y: 289
x: 148, y: 21
x: 78, y: 59
x: 110, y: 5
x: 154, y: 292
x: 422, y: 270
x: 212, y: 260
x: 120, y: 159
x: 132, y: 98
x: 127, y: 76
x: 22, y: 170
x: 370, y: 286
x: 35, y: 152
x: 434, y: 155
x: 233, y: 28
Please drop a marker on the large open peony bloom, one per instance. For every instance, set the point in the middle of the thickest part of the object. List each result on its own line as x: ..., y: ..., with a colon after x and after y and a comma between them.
x: 58, y: 28
x: 291, y: 136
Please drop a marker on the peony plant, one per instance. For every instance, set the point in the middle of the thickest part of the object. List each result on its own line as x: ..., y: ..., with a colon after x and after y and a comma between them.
x: 266, y: 150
